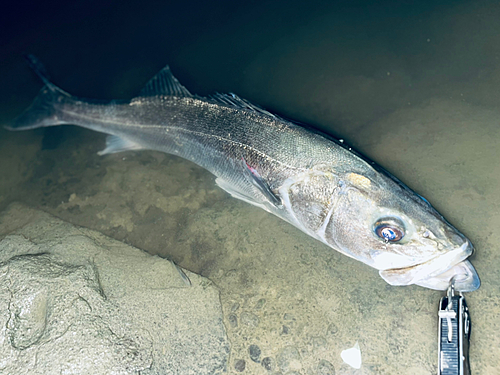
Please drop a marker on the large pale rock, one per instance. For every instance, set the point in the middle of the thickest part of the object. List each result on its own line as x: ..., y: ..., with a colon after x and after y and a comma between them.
x: 73, y: 301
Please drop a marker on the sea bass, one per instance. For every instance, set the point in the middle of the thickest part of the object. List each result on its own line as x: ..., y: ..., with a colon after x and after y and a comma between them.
x: 310, y: 180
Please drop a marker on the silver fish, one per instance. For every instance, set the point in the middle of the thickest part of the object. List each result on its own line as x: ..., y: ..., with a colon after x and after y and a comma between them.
x: 310, y: 180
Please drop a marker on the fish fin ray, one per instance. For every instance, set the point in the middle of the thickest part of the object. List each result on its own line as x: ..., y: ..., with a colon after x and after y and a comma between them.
x: 116, y: 144
x: 262, y: 185
x: 233, y: 100
x: 227, y: 187
x: 164, y: 83
x: 42, y: 111
x: 39, y: 69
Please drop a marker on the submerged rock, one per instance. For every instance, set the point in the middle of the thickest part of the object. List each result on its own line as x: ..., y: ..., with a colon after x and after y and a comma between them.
x: 254, y: 352
x: 75, y: 301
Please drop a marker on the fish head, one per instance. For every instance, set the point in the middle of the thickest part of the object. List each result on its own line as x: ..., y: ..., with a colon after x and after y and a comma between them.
x: 381, y: 222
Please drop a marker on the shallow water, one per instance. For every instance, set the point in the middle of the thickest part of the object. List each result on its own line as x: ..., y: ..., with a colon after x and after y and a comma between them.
x: 414, y: 87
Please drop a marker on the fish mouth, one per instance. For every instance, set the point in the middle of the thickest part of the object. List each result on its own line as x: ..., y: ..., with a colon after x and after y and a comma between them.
x: 437, y: 272
x: 465, y: 278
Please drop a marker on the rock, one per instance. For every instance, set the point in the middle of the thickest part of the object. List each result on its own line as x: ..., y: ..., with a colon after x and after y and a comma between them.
x: 72, y: 299
x: 285, y: 330
x: 325, y: 368
x: 260, y: 303
x: 289, y: 359
x: 332, y: 329
x: 288, y: 316
x: 254, y: 352
x: 233, y: 320
x: 318, y: 342
x: 268, y: 363
x: 239, y: 365
x: 249, y: 319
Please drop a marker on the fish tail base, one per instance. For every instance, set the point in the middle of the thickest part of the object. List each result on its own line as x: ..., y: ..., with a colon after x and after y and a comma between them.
x: 41, y: 113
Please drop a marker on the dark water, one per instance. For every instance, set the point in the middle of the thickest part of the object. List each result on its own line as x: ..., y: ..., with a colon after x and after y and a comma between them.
x: 412, y: 84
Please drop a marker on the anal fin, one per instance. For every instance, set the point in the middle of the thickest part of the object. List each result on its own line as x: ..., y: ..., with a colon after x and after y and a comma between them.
x: 116, y: 144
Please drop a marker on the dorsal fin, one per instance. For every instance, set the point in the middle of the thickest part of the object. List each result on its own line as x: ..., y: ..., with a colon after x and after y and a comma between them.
x: 164, y: 83
x: 233, y: 100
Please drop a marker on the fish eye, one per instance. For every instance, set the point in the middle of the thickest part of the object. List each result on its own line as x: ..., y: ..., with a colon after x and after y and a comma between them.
x: 389, y: 229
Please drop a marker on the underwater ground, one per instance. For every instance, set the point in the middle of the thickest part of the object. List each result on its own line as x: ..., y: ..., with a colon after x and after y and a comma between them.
x: 413, y: 85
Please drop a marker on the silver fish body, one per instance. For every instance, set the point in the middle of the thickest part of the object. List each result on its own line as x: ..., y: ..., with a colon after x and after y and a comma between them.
x: 313, y: 182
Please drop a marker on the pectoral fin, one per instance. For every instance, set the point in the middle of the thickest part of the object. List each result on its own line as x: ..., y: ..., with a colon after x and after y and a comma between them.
x: 116, y: 144
x: 238, y: 194
x: 262, y: 185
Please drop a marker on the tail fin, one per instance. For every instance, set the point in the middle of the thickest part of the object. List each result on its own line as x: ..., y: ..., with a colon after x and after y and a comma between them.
x: 42, y: 112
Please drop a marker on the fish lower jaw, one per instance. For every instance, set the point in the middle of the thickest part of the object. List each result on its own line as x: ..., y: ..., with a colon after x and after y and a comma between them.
x: 427, y: 270
x: 465, y: 278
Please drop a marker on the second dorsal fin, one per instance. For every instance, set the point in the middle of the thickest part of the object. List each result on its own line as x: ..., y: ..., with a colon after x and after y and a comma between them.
x: 164, y: 83
x: 233, y: 100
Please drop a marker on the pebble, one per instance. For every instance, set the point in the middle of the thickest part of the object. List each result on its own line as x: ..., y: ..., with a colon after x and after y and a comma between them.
x: 318, y: 342
x: 285, y: 330
x: 288, y: 316
x: 254, y: 352
x: 233, y: 320
x: 268, y: 363
x: 325, y: 368
x: 332, y: 329
x: 249, y: 319
x: 239, y: 365
x: 289, y: 359
x: 260, y: 303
